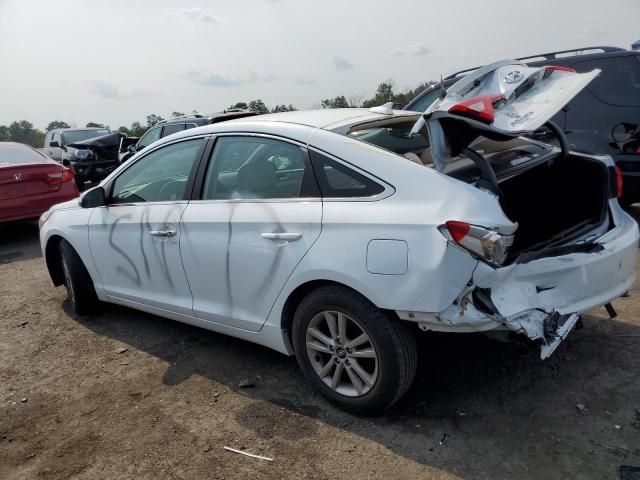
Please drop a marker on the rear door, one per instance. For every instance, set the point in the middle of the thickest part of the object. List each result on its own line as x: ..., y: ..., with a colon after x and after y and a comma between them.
x: 257, y: 214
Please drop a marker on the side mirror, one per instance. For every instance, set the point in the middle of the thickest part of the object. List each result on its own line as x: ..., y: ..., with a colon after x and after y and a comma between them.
x: 54, y: 144
x: 131, y: 149
x: 94, y: 198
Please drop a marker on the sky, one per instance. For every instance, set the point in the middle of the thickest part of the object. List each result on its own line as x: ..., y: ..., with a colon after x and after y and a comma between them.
x: 116, y: 61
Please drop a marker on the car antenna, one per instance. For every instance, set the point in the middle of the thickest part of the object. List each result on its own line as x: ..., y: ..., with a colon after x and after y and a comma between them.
x: 443, y: 91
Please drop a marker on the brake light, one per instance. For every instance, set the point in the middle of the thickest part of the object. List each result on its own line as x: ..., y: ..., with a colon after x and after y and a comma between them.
x: 618, y: 181
x: 559, y: 68
x: 478, y: 108
x: 61, y: 176
x: 487, y: 244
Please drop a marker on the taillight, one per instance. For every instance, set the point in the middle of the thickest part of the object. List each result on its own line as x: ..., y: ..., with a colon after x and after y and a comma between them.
x: 64, y: 175
x: 618, y: 181
x: 478, y: 108
x: 559, y: 68
x: 487, y: 244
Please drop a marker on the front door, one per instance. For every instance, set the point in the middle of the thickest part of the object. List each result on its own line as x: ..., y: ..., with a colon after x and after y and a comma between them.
x: 135, y: 239
x: 258, y: 216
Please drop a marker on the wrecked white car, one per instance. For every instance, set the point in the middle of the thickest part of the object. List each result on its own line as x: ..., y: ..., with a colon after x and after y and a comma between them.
x: 334, y: 234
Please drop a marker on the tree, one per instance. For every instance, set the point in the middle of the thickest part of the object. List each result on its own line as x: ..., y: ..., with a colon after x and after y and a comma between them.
x: 137, y: 129
x: 5, y: 135
x: 242, y: 105
x: 338, y: 102
x: 124, y: 130
x: 23, y: 132
x: 57, y: 124
x: 283, y: 108
x: 177, y: 114
x: 96, y: 125
x: 153, y: 119
x: 258, y: 106
x: 355, y: 100
x: 384, y: 93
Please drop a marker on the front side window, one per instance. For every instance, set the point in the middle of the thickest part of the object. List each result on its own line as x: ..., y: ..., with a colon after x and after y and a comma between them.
x: 425, y: 102
x: 56, y: 138
x: 149, y: 137
x: 159, y: 176
x: 339, y: 181
x: 254, y: 167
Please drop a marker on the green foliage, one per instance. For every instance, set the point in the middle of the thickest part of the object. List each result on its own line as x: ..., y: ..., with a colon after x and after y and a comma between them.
x: 258, y: 106
x: 153, y: 119
x: 96, y: 125
x: 176, y: 114
x: 337, y: 102
x: 57, y: 124
x: 384, y: 93
x: 283, y: 108
x: 242, y: 105
x: 5, y: 136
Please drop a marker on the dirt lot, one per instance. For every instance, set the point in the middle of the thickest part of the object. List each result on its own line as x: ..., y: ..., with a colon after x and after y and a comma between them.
x: 72, y: 406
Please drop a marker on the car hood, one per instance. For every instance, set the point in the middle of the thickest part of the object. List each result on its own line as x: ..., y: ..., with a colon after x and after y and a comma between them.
x: 500, y: 101
x: 109, y: 140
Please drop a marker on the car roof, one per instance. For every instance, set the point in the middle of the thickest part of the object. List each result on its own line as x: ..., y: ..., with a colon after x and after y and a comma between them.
x: 326, y: 119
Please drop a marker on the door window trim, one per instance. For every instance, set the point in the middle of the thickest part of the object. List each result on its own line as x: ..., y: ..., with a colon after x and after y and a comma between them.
x: 198, y: 188
x: 108, y: 188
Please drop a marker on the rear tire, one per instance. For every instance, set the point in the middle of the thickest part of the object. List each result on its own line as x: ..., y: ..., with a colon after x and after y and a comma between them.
x: 82, y: 294
x: 358, y: 356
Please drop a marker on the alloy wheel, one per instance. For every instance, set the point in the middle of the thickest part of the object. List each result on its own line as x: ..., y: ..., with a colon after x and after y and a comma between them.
x: 341, y: 353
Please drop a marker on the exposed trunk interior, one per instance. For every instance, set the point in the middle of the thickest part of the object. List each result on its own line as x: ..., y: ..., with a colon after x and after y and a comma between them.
x: 555, y: 202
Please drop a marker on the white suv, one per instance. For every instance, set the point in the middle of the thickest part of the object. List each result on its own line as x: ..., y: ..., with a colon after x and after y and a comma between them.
x: 299, y: 232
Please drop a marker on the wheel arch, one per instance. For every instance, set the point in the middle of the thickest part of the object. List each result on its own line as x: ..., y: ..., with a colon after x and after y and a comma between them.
x: 298, y: 294
x: 53, y: 259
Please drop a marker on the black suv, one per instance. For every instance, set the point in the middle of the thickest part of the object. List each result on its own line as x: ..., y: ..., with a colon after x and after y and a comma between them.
x: 177, y: 124
x: 604, y: 118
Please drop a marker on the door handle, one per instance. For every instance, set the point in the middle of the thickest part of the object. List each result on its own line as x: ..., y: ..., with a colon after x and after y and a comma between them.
x: 162, y: 233
x: 283, y: 236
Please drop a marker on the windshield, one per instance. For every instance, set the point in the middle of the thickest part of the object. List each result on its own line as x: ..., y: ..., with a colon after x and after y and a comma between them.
x: 73, y: 136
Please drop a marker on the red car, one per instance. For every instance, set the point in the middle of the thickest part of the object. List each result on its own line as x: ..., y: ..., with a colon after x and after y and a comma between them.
x: 31, y: 182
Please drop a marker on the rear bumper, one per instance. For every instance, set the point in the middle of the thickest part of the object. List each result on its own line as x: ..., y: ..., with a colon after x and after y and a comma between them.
x: 523, y: 297
x: 35, y: 205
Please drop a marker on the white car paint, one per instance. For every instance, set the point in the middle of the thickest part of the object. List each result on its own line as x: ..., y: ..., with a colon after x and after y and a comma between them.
x: 221, y: 272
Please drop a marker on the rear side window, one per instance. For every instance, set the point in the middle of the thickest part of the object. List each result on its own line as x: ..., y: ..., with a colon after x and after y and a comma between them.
x: 618, y: 83
x: 173, y: 128
x: 339, y: 181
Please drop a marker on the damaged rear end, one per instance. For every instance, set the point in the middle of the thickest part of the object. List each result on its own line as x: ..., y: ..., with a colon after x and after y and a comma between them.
x: 569, y: 246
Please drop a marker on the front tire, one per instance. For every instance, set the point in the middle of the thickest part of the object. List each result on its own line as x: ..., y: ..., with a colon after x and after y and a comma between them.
x: 77, y: 281
x: 358, y: 356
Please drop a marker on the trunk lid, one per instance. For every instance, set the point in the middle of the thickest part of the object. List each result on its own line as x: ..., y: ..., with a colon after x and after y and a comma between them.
x: 500, y: 101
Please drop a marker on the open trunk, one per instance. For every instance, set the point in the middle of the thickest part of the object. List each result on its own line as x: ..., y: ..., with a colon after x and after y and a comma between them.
x: 556, y: 202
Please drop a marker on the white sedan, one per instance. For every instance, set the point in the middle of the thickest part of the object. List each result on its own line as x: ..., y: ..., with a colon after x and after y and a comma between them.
x: 335, y: 235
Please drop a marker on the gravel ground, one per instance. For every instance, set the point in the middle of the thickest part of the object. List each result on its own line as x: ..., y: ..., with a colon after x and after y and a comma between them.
x: 124, y: 394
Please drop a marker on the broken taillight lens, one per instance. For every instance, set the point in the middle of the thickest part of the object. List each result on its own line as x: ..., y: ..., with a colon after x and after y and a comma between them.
x: 618, y: 181
x: 559, y: 68
x: 487, y: 244
x: 478, y: 108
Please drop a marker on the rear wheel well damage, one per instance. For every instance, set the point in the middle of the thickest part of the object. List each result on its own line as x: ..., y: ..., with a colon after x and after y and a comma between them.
x: 298, y: 294
x: 53, y: 259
